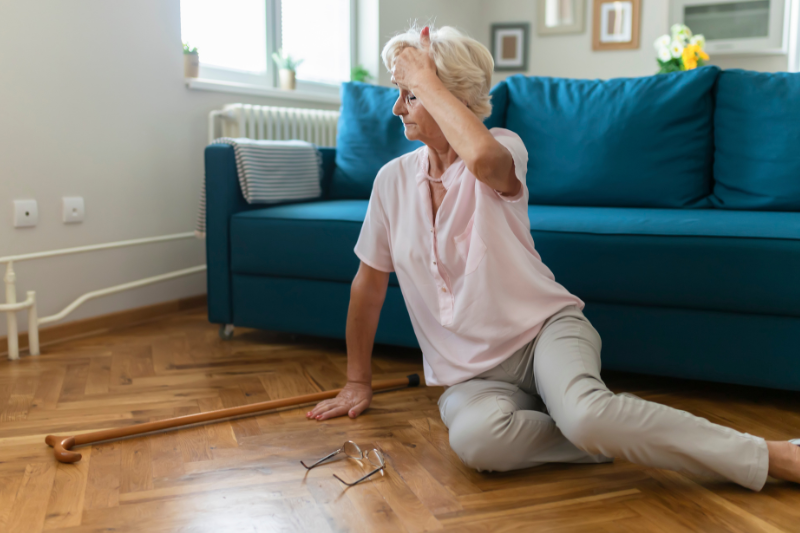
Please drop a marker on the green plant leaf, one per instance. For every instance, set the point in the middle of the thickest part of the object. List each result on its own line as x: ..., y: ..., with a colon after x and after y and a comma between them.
x: 359, y: 73
x: 285, y: 61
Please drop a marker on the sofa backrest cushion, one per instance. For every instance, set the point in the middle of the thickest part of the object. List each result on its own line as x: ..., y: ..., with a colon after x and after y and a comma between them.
x: 757, y: 138
x: 638, y: 142
x: 499, y: 94
x: 368, y: 136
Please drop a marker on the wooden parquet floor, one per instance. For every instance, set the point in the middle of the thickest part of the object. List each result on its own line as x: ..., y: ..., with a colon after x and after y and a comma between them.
x: 244, y: 475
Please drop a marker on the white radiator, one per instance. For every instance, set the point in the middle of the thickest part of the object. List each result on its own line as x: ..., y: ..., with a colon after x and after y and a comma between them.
x: 316, y: 126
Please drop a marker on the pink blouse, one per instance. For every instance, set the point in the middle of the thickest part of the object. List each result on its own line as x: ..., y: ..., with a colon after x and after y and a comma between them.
x: 473, y: 283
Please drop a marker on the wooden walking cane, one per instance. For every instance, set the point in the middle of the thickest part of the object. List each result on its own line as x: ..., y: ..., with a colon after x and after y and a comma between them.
x: 62, y: 446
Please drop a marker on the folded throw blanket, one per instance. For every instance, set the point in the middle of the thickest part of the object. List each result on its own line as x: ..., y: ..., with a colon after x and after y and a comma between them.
x: 271, y: 172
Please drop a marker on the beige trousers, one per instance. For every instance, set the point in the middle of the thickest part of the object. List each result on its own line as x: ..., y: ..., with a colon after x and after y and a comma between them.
x: 547, y: 404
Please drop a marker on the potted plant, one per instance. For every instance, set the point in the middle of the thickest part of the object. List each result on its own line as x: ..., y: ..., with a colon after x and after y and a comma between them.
x: 191, y: 61
x: 287, y: 66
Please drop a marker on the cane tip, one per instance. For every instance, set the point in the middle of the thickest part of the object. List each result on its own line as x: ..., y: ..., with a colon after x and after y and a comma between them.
x: 413, y: 380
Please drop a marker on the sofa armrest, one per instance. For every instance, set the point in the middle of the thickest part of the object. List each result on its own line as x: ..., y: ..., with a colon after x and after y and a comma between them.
x: 223, y: 200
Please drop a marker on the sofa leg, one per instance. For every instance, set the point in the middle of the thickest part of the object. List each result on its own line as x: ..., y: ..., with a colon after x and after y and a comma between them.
x: 226, y: 332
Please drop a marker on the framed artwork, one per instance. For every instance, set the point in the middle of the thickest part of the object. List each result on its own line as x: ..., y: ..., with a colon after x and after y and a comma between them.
x: 555, y: 17
x: 510, y: 46
x: 615, y: 24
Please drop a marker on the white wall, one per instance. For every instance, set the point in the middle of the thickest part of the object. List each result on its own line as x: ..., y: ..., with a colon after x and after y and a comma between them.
x: 571, y: 55
x: 397, y: 16
x: 772, y: 63
x: 93, y: 103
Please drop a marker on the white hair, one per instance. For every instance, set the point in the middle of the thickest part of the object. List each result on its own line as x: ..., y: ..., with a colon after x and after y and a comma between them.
x: 463, y: 64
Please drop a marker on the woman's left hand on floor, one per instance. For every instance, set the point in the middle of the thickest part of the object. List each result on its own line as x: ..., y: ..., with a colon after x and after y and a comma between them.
x: 352, y: 400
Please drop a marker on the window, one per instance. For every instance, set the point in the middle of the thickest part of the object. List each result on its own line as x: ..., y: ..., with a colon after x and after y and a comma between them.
x: 236, y: 39
x: 323, y: 40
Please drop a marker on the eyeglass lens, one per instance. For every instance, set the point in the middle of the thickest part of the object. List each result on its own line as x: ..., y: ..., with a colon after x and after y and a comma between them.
x: 352, y: 450
x: 376, y: 459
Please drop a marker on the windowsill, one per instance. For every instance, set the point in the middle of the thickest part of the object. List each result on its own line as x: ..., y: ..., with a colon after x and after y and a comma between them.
x: 200, y: 84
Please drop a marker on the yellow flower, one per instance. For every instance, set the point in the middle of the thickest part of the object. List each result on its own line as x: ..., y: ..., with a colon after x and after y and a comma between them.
x: 690, y: 55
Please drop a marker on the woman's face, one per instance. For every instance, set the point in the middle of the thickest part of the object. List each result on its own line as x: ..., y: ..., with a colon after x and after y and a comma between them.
x: 419, y: 124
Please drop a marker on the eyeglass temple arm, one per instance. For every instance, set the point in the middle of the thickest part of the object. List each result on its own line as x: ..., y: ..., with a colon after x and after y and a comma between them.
x: 321, y: 460
x: 356, y: 482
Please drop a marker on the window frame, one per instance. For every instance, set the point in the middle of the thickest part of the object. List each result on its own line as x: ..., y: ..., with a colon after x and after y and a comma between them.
x: 274, y: 38
x: 793, y: 25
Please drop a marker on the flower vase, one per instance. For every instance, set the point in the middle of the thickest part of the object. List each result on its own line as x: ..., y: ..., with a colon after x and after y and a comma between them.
x: 287, y: 79
x: 191, y: 65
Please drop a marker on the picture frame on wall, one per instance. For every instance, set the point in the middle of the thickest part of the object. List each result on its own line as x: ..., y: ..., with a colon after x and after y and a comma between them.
x: 510, y: 46
x: 557, y: 17
x: 616, y: 24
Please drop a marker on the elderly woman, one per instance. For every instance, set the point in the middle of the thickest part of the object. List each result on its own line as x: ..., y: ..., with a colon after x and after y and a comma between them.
x: 520, y: 362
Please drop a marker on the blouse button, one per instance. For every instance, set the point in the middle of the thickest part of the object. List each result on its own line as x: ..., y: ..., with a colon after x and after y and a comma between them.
x: 444, y: 290
x: 434, y: 262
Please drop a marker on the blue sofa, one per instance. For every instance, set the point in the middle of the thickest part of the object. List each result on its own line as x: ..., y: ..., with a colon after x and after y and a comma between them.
x: 670, y: 204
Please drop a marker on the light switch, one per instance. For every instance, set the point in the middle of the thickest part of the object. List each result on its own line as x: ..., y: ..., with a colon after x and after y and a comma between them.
x: 73, y: 209
x: 26, y: 213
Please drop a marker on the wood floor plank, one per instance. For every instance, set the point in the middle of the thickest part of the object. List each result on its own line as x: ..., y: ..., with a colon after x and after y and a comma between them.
x: 373, y: 508
x: 167, y: 456
x: 733, y: 517
x: 136, y: 466
x: 66, y: 504
x: 103, y: 481
x: 48, y: 391
x: 74, y: 386
x: 421, y: 482
x: 9, y: 486
x: 338, y: 510
x: 455, y: 481
x: 775, y: 504
x: 606, y: 497
x: 99, y: 377
x: 414, y: 512
x: 219, y: 434
x: 242, y: 427
x: 593, y: 517
x: 33, y: 494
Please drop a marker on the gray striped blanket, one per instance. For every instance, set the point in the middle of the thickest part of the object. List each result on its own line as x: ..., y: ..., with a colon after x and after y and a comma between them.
x: 271, y: 172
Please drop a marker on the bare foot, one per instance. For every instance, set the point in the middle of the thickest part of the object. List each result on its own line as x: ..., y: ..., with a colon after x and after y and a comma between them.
x: 784, y: 460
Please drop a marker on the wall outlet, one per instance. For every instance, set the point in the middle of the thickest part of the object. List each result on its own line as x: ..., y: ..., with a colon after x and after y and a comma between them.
x: 72, y: 209
x: 26, y: 213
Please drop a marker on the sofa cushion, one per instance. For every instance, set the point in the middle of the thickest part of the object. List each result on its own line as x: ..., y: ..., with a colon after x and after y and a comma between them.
x: 638, y: 142
x: 368, y: 136
x: 313, y: 240
x: 699, y: 259
x: 757, y: 137
x: 499, y: 94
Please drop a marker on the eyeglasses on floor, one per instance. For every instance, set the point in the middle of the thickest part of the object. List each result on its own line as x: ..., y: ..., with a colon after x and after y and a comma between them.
x: 352, y: 450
